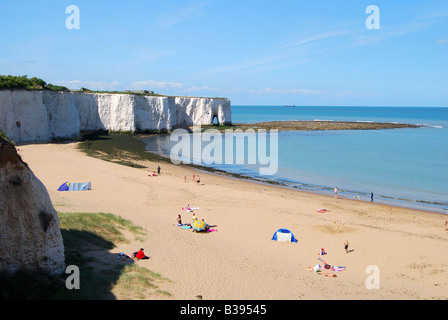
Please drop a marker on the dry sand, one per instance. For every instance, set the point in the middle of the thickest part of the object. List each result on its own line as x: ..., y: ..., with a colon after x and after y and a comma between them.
x: 240, y: 261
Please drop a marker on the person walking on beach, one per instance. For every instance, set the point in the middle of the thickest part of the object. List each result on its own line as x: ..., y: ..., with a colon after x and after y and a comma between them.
x: 158, y: 170
x: 371, y: 196
x: 335, y: 192
x: 193, y: 176
x: 346, y: 246
x: 198, y: 180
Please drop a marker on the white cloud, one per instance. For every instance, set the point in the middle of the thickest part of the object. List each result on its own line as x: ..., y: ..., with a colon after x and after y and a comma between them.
x: 203, y: 88
x: 301, y: 50
x: 285, y: 91
x: 442, y: 41
x: 314, y: 39
x: 186, y: 14
x: 176, y: 87
x: 151, y: 84
x: 281, y: 91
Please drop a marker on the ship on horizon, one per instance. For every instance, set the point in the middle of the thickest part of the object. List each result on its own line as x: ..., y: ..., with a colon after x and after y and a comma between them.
x: 293, y: 106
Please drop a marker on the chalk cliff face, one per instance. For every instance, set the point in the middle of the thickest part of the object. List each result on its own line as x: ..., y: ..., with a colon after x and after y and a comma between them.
x: 30, y: 237
x: 23, y: 116
x: 44, y: 115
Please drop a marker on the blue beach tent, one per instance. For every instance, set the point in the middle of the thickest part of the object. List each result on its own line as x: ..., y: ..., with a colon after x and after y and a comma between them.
x: 64, y: 187
x: 284, y: 235
x: 75, y: 186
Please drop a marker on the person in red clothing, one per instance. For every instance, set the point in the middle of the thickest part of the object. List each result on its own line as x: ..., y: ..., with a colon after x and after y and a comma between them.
x: 140, y: 255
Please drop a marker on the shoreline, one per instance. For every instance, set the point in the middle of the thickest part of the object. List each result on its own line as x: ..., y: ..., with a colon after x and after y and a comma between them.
x: 140, y: 152
x: 275, y: 184
x: 416, y: 204
x: 342, y: 194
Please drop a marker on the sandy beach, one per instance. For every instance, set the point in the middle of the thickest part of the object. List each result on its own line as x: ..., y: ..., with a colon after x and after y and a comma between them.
x: 240, y: 261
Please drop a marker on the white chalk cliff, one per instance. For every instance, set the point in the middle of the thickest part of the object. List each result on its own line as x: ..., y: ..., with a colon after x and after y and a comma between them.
x: 45, y: 115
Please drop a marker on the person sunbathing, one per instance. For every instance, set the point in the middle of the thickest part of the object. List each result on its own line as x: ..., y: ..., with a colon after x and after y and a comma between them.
x: 140, y: 255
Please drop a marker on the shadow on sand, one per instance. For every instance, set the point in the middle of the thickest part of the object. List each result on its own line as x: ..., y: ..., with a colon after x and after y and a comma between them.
x: 99, y: 272
x: 99, y: 269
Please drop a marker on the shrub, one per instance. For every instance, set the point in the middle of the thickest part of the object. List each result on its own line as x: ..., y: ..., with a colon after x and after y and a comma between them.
x: 23, y: 82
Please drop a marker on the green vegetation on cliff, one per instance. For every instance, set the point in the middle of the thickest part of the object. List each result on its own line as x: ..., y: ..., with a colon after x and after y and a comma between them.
x: 3, y: 136
x: 23, y: 82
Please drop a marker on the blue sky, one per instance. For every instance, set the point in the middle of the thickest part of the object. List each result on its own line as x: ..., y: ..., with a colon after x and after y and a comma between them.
x: 253, y: 52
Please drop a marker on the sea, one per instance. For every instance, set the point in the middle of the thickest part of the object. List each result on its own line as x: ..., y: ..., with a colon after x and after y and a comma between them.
x: 405, y: 167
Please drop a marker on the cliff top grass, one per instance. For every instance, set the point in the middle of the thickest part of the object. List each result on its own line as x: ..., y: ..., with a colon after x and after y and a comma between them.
x: 137, y: 93
x: 9, y: 82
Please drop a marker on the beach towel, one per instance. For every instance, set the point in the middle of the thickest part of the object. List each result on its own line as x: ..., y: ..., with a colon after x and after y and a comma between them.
x: 330, y: 266
x: 189, y: 209
x: 338, y: 269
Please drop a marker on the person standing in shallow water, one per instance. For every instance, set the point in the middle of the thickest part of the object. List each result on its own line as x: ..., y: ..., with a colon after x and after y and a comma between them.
x: 371, y: 196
